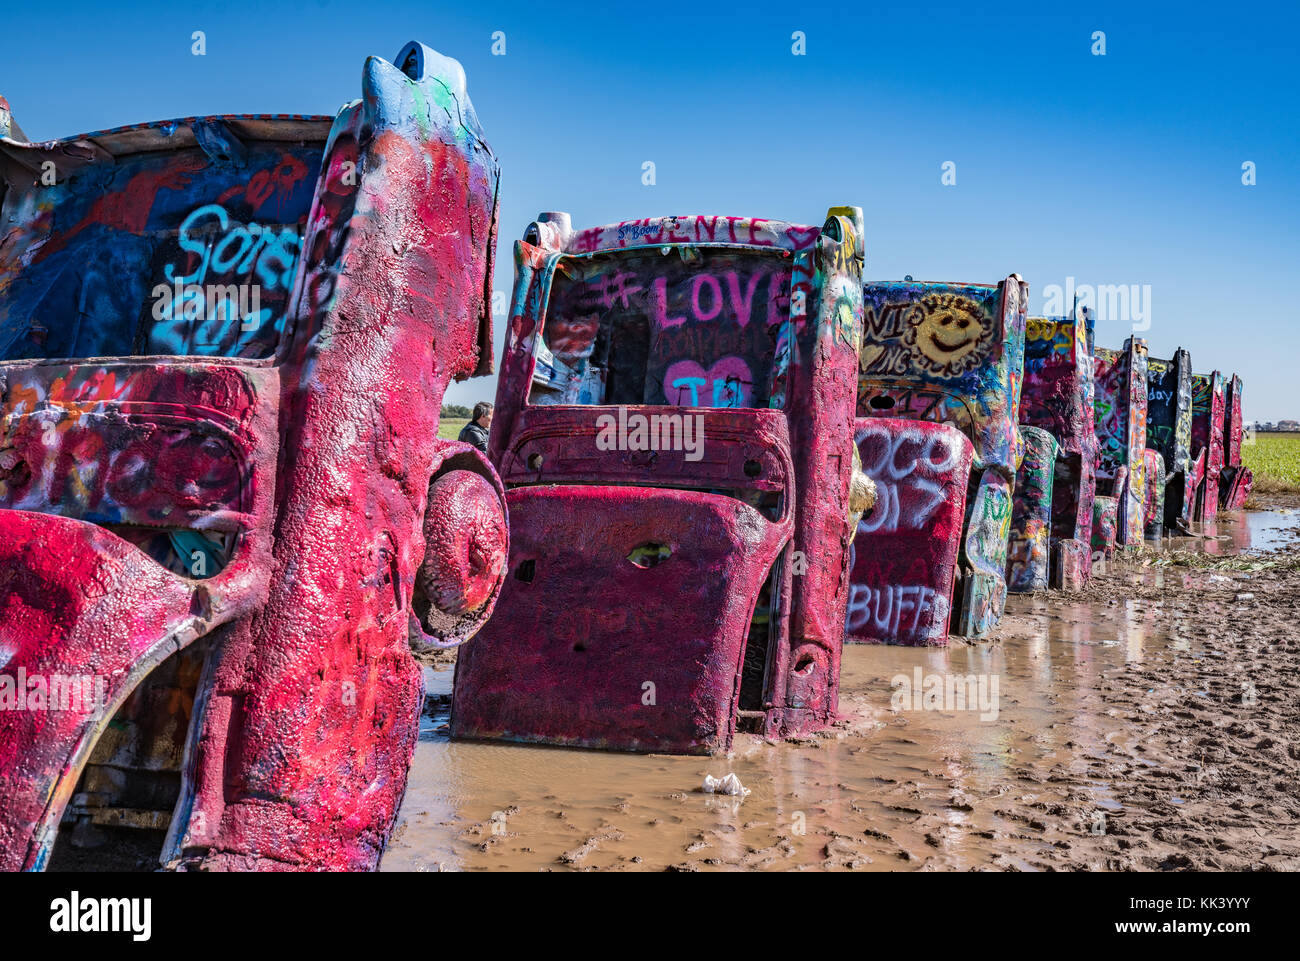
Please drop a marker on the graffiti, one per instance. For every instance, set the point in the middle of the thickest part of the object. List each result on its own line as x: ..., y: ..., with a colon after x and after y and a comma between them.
x: 1235, y: 479
x: 737, y: 559
x: 695, y: 230
x: 1110, y: 390
x: 272, y: 535
x: 943, y: 335
x: 698, y: 329
x: 1169, y: 429
x: 231, y: 257
x: 948, y: 333
x: 895, y: 610
x: 1105, y: 523
x: 1121, y: 423
x: 727, y: 383
x: 1154, y: 507
x: 1058, y: 396
x: 1208, y: 412
x: 905, y: 550
x: 954, y: 353
x: 79, y: 269
x: 910, y: 470
x: 1029, y: 544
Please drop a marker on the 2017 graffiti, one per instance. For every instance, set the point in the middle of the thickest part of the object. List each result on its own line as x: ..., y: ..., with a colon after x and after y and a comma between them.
x: 904, y: 554
x: 223, y: 254
x: 910, y: 470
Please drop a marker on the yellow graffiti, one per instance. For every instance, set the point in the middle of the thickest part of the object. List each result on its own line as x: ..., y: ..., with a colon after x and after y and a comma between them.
x: 947, y: 334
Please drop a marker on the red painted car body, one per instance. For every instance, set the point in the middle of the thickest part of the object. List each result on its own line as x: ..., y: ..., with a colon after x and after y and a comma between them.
x: 245, y: 488
x: 1235, y: 479
x: 1208, y: 416
x: 661, y: 593
x: 905, y: 552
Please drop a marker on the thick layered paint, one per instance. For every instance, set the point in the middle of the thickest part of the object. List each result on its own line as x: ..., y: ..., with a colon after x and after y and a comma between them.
x: 1058, y: 396
x: 906, y: 548
x: 1029, y: 547
x: 674, y: 425
x: 1208, y: 412
x: 1154, y: 507
x: 1105, y: 522
x: 586, y: 679
x: 1235, y: 480
x: 1169, y: 426
x: 954, y: 353
x: 303, y: 453
x: 1121, y: 420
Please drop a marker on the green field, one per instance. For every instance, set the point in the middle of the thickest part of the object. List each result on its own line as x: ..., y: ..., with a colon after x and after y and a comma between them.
x: 449, y: 427
x: 1275, y: 461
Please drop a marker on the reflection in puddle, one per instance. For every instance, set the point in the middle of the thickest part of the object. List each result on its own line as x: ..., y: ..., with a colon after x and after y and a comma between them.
x: 1237, y: 532
x: 886, y: 790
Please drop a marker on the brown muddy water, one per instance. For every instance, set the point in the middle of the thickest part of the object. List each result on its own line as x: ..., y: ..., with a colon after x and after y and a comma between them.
x: 1068, y: 767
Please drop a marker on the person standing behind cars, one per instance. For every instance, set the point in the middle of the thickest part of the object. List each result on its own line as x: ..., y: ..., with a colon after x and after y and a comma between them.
x: 475, y: 433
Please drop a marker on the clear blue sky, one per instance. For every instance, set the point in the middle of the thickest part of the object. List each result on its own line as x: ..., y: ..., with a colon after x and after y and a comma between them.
x: 1116, y: 169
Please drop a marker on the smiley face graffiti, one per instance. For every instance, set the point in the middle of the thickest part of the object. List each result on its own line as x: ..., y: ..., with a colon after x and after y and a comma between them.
x: 948, y: 334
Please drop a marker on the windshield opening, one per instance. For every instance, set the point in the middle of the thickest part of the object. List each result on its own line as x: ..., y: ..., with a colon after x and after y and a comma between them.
x: 159, y: 253
x: 672, y: 326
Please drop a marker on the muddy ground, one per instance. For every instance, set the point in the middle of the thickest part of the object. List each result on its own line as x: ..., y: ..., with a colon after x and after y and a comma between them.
x: 1149, y: 723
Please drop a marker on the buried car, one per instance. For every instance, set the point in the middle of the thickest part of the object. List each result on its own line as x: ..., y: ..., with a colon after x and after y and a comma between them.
x: 224, y: 509
x: 949, y: 355
x: 674, y: 427
x: 1057, y: 397
x: 1120, y: 404
x: 1209, y: 415
x: 1169, y: 433
x: 1235, y: 479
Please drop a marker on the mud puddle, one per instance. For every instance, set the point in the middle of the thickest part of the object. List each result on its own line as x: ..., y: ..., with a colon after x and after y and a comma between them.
x: 1076, y: 748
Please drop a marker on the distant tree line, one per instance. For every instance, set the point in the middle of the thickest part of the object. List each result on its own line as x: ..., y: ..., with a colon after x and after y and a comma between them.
x: 456, y: 411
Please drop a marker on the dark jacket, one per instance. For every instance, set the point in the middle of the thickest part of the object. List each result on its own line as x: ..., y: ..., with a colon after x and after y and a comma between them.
x: 474, y: 435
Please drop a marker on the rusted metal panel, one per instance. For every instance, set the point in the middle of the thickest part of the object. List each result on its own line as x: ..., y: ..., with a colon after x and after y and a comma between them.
x: 954, y: 353
x: 1121, y: 417
x: 1169, y: 426
x: 1208, y: 411
x: 905, y: 551
x: 1058, y: 396
x: 224, y: 341
x: 674, y: 422
x: 1029, y: 548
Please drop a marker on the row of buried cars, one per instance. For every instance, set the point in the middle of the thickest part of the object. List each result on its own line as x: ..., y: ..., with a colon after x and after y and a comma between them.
x: 871, y: 462
x: 226, y: 514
